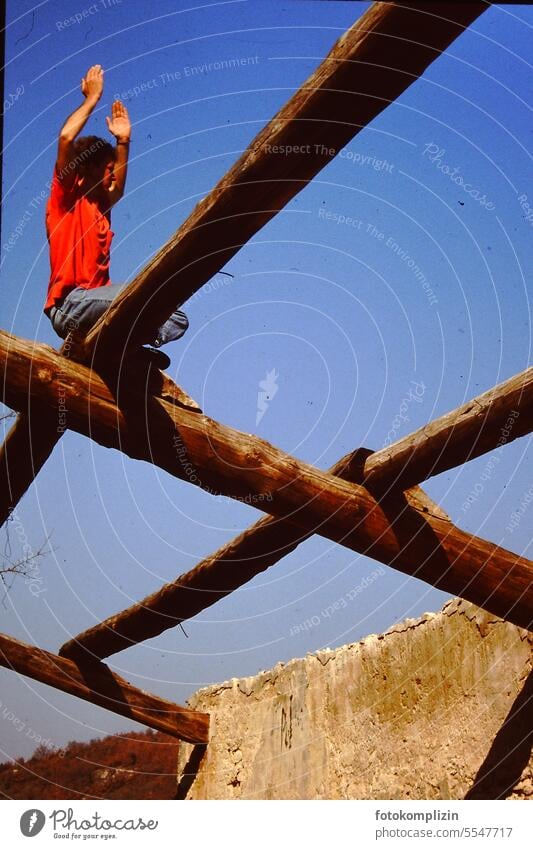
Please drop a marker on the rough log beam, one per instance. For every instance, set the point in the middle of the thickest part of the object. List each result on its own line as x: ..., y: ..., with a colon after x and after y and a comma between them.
x: 371, y: 65
x: 231, y: 566
x: 97, y: 684
x: 489, y: 421
x: 222, y: 460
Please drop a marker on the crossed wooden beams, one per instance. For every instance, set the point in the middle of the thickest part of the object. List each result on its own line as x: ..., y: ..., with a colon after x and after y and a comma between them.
x: 367, y: 502
x: 374, y: 518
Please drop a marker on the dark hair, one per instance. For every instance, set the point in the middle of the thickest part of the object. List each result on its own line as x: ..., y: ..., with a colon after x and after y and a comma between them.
x: 90, y: 151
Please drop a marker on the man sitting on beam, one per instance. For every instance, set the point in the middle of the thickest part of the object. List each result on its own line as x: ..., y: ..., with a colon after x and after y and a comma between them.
x: 89, y: 178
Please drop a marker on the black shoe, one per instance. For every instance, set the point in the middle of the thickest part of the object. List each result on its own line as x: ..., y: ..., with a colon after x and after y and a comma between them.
x: 154, y: 358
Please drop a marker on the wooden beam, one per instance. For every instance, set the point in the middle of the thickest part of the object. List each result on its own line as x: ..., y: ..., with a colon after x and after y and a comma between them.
x: 22, y: 454
x: 96, y: 683
x: 487, y: 422
x: 225, y: 461
x: 371, y: 65
x: 233, y: 565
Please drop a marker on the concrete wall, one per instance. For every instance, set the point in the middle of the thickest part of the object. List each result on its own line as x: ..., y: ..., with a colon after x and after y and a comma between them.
x: 436, y: 708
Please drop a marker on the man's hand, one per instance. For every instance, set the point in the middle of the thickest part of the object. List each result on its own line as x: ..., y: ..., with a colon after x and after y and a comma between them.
x: 92, y: 84
x: 120, y: 127
x: 119, y: 124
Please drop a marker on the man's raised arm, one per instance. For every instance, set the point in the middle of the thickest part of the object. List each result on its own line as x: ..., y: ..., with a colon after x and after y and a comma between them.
x: 92, y: 86
x: 119, y: 126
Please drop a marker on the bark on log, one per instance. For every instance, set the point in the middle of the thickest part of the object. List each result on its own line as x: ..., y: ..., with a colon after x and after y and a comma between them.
x: 371, y: 65
x: 96, y: 683
x: 225, y: 461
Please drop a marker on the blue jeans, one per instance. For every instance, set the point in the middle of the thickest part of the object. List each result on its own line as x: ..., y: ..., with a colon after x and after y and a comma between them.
x: 83, y: 307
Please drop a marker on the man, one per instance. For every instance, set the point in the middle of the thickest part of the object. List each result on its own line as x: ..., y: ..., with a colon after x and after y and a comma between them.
x: 89, y: 178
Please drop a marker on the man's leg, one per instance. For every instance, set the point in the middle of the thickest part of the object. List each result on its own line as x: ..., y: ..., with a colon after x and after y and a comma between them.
x: 82, y: 308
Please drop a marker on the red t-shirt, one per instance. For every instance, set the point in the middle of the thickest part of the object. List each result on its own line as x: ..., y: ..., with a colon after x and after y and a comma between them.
x: 79, y: 234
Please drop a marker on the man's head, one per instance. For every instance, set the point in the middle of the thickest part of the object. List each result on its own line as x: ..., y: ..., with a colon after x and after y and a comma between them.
x: 94, y: 160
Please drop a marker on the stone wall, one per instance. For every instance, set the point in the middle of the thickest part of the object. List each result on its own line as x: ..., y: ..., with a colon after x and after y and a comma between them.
x: 435, y: 708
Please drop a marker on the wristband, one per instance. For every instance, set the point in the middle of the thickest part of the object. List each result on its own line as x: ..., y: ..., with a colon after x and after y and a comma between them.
x: 124, y: 142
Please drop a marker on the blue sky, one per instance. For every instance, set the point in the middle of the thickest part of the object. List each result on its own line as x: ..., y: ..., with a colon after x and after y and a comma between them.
x: 385, y: 285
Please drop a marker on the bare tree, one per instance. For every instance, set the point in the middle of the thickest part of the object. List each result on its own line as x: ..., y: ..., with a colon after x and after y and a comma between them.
x: 25, y: 566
